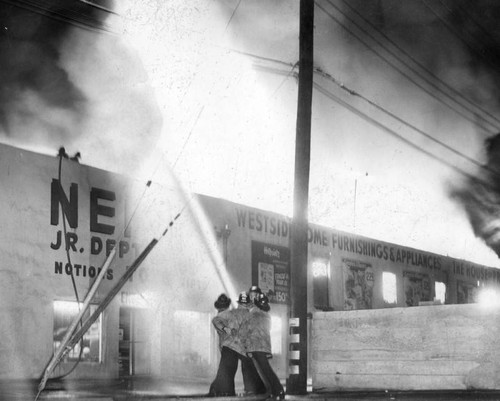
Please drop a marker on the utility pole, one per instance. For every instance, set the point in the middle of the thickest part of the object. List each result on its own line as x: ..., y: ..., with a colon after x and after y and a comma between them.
x: 297, y: 379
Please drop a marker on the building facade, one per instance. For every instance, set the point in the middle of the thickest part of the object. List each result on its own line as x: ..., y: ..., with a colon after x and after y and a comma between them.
x: 60, y: 220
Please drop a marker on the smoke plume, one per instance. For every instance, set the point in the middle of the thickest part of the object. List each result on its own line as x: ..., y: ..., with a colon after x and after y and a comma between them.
x: 37, y: 93
x: 480, y: 196
x: 68, y: 80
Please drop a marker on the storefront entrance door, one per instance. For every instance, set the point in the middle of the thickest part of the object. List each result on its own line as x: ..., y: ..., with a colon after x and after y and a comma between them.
x: 134, y: 348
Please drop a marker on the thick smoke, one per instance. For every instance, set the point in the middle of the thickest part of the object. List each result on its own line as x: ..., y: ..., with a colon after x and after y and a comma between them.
x: 457, y: 40
x: 480, y: 197
x: 68, y: 80
x: 37, y: 94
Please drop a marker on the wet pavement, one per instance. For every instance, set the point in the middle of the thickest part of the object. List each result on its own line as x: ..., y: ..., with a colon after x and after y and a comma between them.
x: 182, y: 389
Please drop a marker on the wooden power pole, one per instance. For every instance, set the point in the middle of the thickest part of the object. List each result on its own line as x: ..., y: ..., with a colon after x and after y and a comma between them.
x: 297, y: 379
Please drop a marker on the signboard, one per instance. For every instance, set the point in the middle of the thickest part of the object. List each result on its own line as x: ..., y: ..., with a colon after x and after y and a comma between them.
x: 271, y: 271
x: 95, y: 218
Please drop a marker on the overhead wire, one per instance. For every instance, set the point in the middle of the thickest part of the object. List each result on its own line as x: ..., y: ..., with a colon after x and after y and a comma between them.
x: 68, y: 257
x: 257, y: 57
x: 397, y: 118
x: 66, y: 245
x: 52, y: 14
x: 378, y: 124
x: 200, y: 111
x: 483, y: 55
x: 232, y: 15
x: 470, y: 17
x: 188, y: 137
x: 407, y: 54
x: 393, y: 133
x: 290, y: 73
x: 352, y: 92
x: 403, y: 73
x: 98, y: 6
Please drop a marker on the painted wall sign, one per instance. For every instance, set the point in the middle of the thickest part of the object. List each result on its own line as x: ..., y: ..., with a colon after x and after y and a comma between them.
x: 269, y: 224
x: 471, y: 270
x: 101, y: 221
x: 271, y: 271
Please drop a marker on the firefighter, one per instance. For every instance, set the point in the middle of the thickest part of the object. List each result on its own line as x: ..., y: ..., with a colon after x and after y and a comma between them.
x: 256, y: 332
x: 227, y: 323
x: 219, y: 386
x: 253, y: 292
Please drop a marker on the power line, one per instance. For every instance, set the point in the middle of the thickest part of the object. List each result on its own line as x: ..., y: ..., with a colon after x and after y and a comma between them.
x: 380, y: 108
x: 61, y: 17
x: 232, y: 15
x: 457, y: 5
x: 393, y: 133
x: 489, y: 131
x: 102, y: 8
x: 378, y: 124
x: 255, y: 56
x: 399, y: 119
x: 189, y: 136
x: 420, y: 65
x: 290, y: 73
x: 461, y: 37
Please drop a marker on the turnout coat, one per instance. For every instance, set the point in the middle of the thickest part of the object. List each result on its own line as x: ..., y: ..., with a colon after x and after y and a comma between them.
x: 228, y: 324
x: 256, y: 332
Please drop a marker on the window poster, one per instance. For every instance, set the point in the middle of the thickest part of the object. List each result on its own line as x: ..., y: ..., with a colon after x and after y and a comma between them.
x: 417, y: 288
x: 358, y: 284
x: 271, y: 271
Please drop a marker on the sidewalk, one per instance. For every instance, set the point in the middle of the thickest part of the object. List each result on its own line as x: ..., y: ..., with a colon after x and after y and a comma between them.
x: 157, y: 390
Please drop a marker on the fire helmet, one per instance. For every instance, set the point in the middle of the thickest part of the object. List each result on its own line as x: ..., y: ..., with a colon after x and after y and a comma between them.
x: 243, y: 298
x: 262, y: 302
x: 222, y: 302
x: 256, y: 289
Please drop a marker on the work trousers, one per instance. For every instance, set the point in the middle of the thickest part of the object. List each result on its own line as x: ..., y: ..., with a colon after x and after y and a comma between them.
x: 223, y: 384
x: 267, y: 374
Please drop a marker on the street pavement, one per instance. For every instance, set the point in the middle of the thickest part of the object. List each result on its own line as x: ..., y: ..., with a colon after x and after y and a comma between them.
x: 185, y: 390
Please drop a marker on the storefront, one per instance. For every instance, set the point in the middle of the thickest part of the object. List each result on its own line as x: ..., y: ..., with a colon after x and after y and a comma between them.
x: 58, y: 230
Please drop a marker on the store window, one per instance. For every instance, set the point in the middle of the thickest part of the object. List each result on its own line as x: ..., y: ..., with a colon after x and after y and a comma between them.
x: 87, y: 350
x: 389, y: 288
x: 440, y: 291
x: 320, y: 273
